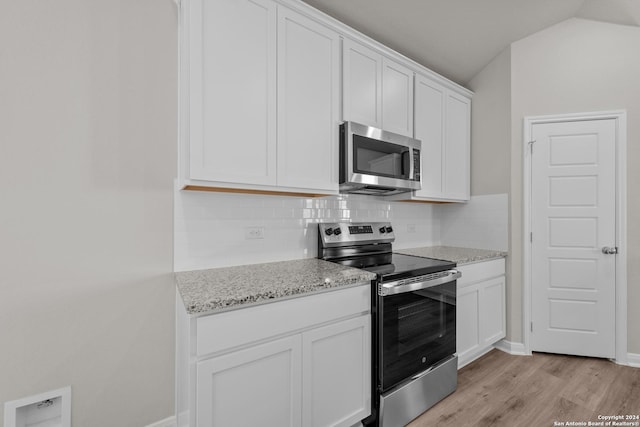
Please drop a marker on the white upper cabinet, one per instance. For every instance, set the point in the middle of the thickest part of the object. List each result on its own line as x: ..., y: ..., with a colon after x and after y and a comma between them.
x: 362, y: 84
x: 264, y: 99
x: 308, y: 103
x: 232, y: 77
x: 261, y: 92
x: 397, y: 98
x: 443, y: 123
x: 457, y: 147
x: 376, y: 90
x: 429, y: 128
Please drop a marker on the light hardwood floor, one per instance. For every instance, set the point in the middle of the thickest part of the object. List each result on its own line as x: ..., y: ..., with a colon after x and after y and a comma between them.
x: 536, y: 391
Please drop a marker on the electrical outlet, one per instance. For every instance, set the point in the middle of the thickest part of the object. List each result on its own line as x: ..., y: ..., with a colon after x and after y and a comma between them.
x: 411, y: 228
x: 251, y: 233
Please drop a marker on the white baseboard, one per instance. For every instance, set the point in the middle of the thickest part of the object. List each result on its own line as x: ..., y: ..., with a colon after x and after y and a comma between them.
x: 167, y: 422
x: 465, y: 359
x: 633, y: 359
x: 515, y: 348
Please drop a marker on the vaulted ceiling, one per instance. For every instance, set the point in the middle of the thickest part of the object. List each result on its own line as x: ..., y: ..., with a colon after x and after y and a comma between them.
x: 457, y: 38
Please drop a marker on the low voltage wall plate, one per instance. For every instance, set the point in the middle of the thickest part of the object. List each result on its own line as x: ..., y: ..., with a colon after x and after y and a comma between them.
x: 52, y: 408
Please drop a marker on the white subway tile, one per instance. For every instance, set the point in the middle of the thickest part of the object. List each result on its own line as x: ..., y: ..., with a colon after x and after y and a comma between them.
x: 480, y: 223
x: 210, y: 227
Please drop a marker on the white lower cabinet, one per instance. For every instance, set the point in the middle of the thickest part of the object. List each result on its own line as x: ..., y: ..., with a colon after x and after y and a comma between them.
x: 336, y: 382
x: 299, y: 362
x: 480, y: 309
x: 252, y: 387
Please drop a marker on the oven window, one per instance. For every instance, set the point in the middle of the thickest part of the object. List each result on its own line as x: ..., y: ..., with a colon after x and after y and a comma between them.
x: 419, y: 323
x: 418, y: 331
x: 374, y: 157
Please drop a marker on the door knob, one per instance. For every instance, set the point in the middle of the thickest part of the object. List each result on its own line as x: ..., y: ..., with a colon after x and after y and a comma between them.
x: 610, y: 250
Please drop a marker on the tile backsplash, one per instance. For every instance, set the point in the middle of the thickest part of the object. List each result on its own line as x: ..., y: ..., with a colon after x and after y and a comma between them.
x: 481, y: 223
x: 212, y: 229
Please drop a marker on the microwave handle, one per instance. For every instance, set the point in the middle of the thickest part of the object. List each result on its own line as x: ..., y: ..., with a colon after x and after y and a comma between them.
x: 411, y: 171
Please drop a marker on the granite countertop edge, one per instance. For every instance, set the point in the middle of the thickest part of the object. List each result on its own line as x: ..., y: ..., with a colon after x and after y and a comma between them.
x: 459, y: 255
x: 222, y: 289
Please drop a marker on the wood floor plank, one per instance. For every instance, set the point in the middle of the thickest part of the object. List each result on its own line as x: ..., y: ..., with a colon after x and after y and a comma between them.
x: 560, y: 410
x: 588, y: 387
x: 623, y: 394
x: 558, y: 365
x: 529, y: 394
x: 500, y: 390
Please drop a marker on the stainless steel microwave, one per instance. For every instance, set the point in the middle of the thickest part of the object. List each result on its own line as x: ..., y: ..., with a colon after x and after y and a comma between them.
x: 377, y: 162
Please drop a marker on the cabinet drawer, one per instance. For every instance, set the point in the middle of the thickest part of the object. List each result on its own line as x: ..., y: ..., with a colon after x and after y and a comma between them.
x: 474, y: 273
x: 230, y: 329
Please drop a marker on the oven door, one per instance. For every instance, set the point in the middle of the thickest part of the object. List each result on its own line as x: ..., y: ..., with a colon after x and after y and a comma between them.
x: 417, y: 327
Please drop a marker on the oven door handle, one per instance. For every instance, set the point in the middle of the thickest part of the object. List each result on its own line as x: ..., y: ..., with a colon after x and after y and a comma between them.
x: 401, y: 286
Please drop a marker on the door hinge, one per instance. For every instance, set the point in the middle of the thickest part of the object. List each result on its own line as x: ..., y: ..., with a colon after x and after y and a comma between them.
x: 531, y: 326
x: 531, y: 237
x: 531, y: 145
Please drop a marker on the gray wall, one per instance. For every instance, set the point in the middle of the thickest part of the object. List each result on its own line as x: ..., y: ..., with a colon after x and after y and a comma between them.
x: 575, y: 66
x: 88, y: 107
x: 491, y: 153
x: 580, y: 66
x: 491, y: 127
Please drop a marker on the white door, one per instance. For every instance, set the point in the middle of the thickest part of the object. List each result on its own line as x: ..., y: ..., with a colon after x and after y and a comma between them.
x: 573, y: 202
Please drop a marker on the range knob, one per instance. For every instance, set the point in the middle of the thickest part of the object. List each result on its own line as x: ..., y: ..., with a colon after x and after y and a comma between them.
x: 337, y: 232
x: 328, y: 231
x: 383, y: 230
x: 389, y: 229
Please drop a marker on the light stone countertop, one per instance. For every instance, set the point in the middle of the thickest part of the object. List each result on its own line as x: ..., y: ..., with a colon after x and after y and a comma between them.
x: 218, y: 289
x: 454, y: 254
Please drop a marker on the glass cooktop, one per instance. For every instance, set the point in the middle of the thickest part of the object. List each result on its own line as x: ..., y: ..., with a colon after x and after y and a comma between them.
x: 393, y: 266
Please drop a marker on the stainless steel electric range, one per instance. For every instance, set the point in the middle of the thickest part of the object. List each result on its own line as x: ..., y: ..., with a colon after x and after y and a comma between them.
x: 413, y: 319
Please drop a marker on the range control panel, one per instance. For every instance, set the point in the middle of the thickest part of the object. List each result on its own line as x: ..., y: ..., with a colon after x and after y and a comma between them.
x: 336, y: 233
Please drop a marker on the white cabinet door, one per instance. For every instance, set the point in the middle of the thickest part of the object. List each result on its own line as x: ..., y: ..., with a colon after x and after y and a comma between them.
x: 397, y: 98
x: 377, y: 91
x: 337, y: 373
x: 232, y: 66
x: 308, y: 103
x: 258, y: 386
x: 429, y: 128
x: 362, y: 84
x: 492, y: 307
x: 480, y: 309
x: 467, y: 322
x: 457, y: 147
x: 442, y: 123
